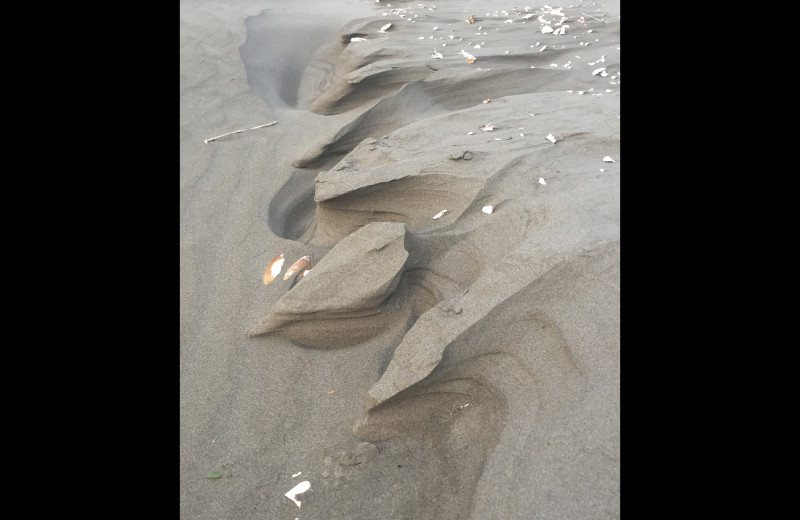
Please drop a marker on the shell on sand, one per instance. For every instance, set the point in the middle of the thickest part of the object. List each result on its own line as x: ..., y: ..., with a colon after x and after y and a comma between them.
x: 305, y: 270
x: 273, y: 269
x: 295, y: 267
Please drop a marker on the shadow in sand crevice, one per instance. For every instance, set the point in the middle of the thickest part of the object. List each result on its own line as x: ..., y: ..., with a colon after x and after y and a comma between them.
x: 291, y: 212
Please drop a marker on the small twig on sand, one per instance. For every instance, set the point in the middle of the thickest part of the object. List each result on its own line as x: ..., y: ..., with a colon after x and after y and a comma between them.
x: 223, y: 135
x: 239, y: 131
x: 265, y: 124
x: 590, y: 16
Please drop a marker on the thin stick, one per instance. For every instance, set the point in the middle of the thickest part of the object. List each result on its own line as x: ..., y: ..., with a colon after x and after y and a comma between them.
x: 223, y: 135
x: 265, y: 124
x: 239, y: 131
x: 590, y: 16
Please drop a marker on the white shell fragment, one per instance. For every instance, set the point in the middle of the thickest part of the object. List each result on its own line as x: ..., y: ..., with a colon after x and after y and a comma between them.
x: 297, y: 474
x: 487, y: 210
x: 439, y: 214
x: 436, y: 55
x: 295, y: 267
x: 469, y: 57
x: 608, y: 158
x: 601, y: 71
x: 298, y: 489
x: 357, y: 39
x: 541, y: 181
x: 383, y: 29
x: 551, y: 138
x: 547, y: 29
x: 273, y: 268
x: 487, y: 127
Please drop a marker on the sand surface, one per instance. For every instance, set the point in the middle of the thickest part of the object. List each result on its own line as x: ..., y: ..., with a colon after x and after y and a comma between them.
x: 453, y: 351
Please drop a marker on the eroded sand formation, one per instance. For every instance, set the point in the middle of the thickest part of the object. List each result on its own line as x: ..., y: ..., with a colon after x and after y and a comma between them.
x: 484, y: 313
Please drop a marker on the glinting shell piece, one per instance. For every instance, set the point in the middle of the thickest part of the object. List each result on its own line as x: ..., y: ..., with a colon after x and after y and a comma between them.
x: 295, y: 267
x: 541, y: 181
x: 439, y: 214
x: 383, y: 29
x: 487, y: 209
x: 551, y: 138
x: 608, y: 158
x: 298, y: 489
x: 436, y: 55
x: 488, y: 127
x: 470, y: 58
x: 273, y: 269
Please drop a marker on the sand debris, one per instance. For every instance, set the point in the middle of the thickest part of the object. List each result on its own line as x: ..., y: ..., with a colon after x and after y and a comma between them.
x: 465, y: 155
x: 608, y: 158
x: 470, y: 58
x: 239, y: 131
x: 487, y: 127
x: 297, y: 490
x: 295, y: 267
x: 471, y: 19
x: 383, y: 29
x: 541, y: 181
x: 273, y: 269
x: 436, y: 55
x: 439, y: 214
x: 487, y: 209
x: 551, y: 138
x: 297, y: 474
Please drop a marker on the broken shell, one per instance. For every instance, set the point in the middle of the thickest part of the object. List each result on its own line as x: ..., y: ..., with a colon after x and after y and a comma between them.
x: 551, y: 138
x: 487, y: 210
x: 383, y: 29
x: 305, y: 271
x: 608, y: 158
x: 298, y: 489
x: 541, y: 181
x: 439, y: 214
x: 487, y: 127
x: 471, y: 19
x: 295, y: 267
x: 273, y: 269
x: 436, y: 54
